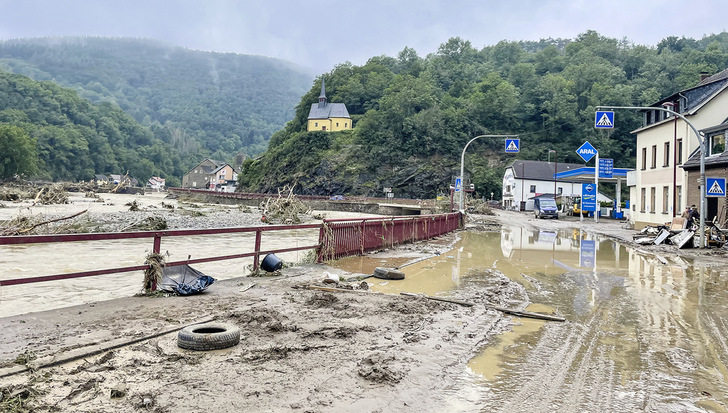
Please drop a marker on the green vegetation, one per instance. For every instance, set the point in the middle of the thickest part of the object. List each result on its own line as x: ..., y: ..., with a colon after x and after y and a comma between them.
x: 47, y: 131
x: 200, y: 104
x: 413, y: 115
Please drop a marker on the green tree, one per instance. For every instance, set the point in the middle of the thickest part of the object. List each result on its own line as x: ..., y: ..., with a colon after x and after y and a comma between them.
x: 18, y: 155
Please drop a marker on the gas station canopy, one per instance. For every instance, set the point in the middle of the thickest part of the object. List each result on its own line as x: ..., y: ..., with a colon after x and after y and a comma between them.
x: 586, y: 174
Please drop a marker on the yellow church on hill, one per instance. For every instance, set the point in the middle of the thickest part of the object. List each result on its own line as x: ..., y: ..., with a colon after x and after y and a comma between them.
x: 327, y: 116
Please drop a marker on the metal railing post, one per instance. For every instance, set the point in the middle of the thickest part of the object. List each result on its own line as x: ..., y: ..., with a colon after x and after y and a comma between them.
x: 256, y: 257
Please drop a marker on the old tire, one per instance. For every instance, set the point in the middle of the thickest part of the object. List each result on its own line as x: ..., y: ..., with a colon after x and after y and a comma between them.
x: 388, y: 274
x: 210, y: 336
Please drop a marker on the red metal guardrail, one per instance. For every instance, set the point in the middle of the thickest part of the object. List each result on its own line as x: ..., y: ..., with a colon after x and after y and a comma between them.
x: 337, y: 238
x: 246, y: 195
x: 343, y: 237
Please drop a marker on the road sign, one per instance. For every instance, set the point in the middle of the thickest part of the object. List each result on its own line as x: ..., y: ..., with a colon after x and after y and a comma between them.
x: 715, y: 187
x: 588, y: 197
x: 586, y: 151
x: 458, y: 184
x: 513, y: 145
x: 587, y: 253
x: 605, y: 167
x: 604, y: 120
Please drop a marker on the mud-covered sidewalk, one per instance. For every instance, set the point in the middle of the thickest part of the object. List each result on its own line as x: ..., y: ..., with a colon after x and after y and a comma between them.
x: 300, y: 349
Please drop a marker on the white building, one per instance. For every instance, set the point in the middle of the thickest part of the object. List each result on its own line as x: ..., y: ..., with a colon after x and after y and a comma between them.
x: 661, y: 188
x: 524, y: 180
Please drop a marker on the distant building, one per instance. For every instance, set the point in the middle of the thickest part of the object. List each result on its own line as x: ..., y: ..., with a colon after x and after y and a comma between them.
x: 325, y: 116
x: 525, y: 180
x: 156, y: 183
x: 211, y: 174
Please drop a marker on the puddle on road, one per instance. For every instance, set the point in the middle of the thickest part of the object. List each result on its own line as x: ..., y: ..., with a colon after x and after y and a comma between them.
x: 642, y: 330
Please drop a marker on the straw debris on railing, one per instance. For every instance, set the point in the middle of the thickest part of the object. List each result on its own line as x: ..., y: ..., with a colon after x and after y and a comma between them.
x: 153, y: 274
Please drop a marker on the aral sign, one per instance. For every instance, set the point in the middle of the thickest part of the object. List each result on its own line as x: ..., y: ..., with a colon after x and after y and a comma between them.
x: 586, y: 151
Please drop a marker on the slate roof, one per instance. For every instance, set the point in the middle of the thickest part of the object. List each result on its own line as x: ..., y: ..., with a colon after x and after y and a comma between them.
x: 539, y: 170
x: 699, y: 94
x: 329, y: 110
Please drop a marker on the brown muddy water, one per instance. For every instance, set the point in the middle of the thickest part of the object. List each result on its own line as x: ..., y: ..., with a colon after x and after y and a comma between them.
x: 640, y: 335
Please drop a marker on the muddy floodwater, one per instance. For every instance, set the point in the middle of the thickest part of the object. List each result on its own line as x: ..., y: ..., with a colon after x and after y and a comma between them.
x: 643, y: 332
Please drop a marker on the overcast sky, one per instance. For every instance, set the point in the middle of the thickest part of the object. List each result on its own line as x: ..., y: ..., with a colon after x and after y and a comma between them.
x: 322, y: 33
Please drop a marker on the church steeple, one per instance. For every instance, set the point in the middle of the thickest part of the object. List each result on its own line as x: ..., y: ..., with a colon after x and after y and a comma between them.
x: 322, y: 96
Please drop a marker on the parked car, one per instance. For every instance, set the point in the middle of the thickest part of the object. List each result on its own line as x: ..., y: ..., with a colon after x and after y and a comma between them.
x: 545, y: 207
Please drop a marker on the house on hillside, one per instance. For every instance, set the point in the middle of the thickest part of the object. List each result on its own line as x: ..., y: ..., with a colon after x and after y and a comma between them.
x: 211, y: 174
x: 663, y: 183
x: 325, y: 116
x: 525, y: 180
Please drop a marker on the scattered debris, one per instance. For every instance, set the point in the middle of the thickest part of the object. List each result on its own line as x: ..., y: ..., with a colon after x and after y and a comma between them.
x: 283, y: 209
x: 153, y: 223
x: 25, y: 225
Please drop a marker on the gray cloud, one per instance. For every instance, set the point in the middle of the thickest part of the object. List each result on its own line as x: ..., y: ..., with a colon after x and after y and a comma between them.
x: 323, y: 33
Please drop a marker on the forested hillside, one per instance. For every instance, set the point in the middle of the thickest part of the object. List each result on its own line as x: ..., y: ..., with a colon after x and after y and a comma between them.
x: 413, y: 115
x: 49, y: 132
x: 216, y: 104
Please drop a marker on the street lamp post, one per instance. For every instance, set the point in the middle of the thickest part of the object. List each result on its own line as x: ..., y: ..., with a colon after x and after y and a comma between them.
x: 462, y: 162
x: 556, y: 167
x: 703, y: 149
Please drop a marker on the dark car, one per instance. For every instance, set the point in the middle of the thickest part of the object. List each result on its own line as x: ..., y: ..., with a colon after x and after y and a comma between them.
x: 545, y: 207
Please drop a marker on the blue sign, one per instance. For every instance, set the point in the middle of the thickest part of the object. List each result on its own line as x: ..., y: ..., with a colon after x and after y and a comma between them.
x: 604, y: 120
x: 458, y: 184
x: 513, y: 145
x: 605, y: 167
x: 715, y: 187
x: 586, y: 151
x: 588, y: 197
x: 587, y: 254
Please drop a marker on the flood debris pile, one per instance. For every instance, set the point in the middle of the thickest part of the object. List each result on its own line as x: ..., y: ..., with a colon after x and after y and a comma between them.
x: 285, y: 208
x: 38, y: 224
x: 682, y: 234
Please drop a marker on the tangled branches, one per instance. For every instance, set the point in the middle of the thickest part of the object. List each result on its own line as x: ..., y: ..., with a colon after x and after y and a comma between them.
x: 283, y: 209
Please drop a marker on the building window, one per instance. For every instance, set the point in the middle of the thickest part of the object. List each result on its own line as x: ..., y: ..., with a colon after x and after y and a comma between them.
x: 717, y: 144
x: 560, y: 190
x: 653, y: 197
x: 679, y: 197
x: 644, y: 200
x: 654, y: 157
x: 679, y: 151
x: 323, y: 128
x: 533, y: 189
x: 346, y: 125
x: 666, y: 160
x: 508, y: 189
x: 665, y: 199
x: 644, y: 158
x: 315, y: 125
x: 337, y: 124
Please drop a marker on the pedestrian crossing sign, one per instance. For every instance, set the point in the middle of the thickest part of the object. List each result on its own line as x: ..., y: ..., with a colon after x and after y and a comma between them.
x: 604, y: 120
x: 513, y: 145
x: 715, y: 187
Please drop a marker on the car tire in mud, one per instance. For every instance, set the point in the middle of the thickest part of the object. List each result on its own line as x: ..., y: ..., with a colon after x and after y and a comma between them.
x: 210, y: 336
x: 388, y: 274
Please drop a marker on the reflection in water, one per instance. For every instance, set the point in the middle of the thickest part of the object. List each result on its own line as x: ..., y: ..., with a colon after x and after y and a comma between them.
x: 642, y: 332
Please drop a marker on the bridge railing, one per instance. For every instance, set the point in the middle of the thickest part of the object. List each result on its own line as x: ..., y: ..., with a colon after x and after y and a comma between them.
x: 337, y: 238
x: 344, y: 237
x: 247, y: 195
